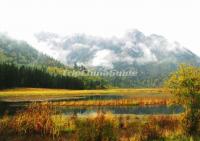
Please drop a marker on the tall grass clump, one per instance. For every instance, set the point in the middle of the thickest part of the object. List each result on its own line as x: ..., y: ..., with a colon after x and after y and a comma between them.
x: 149, y: 132
x: 96, y: 129
x: 159, y: 127
x: 4, y: 124
x: 36, y: 119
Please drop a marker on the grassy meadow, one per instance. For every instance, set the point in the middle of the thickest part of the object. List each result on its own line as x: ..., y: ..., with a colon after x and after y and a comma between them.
x: 36, y: 94
x: 40, y: 121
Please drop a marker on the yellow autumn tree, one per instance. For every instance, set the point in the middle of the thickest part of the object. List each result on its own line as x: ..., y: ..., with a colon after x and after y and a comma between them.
x: 185, y: 85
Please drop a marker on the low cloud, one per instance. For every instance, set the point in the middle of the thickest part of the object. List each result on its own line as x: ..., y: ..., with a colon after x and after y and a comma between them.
x: 104, y: 58
x: 97, y: 51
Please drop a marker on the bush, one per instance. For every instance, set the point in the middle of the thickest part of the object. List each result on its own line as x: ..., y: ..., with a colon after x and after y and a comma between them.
x: 191, y: 123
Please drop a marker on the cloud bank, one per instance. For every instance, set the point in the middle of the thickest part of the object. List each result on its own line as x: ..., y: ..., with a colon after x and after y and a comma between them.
x: 93, y: 51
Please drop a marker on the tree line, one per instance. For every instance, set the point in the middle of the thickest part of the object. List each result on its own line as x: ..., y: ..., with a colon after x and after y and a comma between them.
x: 22, y: 76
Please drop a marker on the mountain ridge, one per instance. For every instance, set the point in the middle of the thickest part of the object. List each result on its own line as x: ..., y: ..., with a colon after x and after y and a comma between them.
x: 133, y: 48
x: 152, y: 57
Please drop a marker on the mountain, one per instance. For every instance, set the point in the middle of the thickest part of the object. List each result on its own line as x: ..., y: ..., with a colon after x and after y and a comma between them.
x: 21, y: 53
x: 133, y: 49
x: 153, y: 57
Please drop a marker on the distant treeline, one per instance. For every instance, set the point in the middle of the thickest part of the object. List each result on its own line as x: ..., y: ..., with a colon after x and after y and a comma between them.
x: 22, y: 76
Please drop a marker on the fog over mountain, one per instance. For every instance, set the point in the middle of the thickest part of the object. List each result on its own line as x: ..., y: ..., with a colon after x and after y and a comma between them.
x: 133, y: 48
x: 152, y: 57
x: 21, y: 53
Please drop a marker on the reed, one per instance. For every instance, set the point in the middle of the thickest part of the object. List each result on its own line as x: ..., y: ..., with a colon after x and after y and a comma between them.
x: 119, y: 102
x: 42, y: 120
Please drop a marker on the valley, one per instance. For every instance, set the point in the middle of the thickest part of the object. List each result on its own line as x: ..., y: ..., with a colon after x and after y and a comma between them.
x: 42, y: 99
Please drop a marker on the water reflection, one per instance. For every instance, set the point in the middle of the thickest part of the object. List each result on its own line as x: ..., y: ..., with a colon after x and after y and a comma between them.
x: 138, y: 110
x: 90, y: 97
x: 11, y: 108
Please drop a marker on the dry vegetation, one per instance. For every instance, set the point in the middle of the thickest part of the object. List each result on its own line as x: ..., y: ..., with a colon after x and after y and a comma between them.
x: 118, y: 102
x: 135, y: 96
x: 43, y: 122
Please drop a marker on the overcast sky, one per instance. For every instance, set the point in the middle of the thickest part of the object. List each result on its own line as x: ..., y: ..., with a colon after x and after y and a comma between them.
x: 177, y: 20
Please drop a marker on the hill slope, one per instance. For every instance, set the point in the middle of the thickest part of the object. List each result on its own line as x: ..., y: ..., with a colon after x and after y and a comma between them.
x: 20, y: 52
x: 152, y: 57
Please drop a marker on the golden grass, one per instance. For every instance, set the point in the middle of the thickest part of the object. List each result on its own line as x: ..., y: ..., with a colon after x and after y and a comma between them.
x: 39, y: 119
x: 38, y: 91
x: 119, y: 102
x: 22, y: 92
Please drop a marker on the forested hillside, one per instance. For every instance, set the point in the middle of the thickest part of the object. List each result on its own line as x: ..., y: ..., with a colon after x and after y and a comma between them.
x: 106, y: 56
x: 21, y: 76
x: 23, y: 66
x: 21, y: 53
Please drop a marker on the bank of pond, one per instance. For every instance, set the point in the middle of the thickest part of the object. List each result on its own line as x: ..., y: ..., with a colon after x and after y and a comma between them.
x: 69, y: 119
x: 109, y: 103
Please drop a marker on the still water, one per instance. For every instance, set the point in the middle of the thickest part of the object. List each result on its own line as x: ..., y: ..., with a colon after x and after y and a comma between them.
x: 11, y: 109
x: 138, y: 110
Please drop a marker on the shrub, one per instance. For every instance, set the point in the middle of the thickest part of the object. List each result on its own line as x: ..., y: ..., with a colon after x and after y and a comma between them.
x: 191, y: 123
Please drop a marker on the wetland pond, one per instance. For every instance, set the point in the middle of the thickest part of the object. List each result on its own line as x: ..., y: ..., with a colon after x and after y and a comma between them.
x: 12, y: 107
